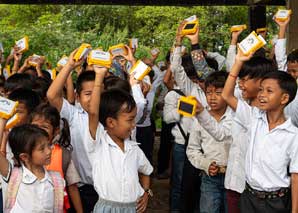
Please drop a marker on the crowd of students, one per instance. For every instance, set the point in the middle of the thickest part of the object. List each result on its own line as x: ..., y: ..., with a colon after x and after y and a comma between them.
x: 87, y: 146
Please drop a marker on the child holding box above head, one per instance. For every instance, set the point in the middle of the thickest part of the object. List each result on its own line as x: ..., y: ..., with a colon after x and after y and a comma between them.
x: 272, y: 147
x: 119, y: 167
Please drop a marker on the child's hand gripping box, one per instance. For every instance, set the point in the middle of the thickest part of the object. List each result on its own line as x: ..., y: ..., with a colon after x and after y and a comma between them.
x: 118, y: 49
x: 140, y: 70
x: 282, y: 15
x: 33, y: 61
x: 100, y: 58
x: 261, y: 30
x: 251, y: 43
x: 7, y: 107
x: 187, y: 106
x: 23, y: 44
x: 133, y: 43
x: 63, y: 61
x: 191, y: 25
x: 82, y: 52
x: 236, y: 28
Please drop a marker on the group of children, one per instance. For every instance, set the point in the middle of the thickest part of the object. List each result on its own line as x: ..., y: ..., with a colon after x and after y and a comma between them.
x: 87, y: 146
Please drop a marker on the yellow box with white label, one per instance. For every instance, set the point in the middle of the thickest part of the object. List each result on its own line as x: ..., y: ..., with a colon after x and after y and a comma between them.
x: 82, y: 52
x: 53, y: 73
x: 63, y: 61
x: 191, y: 25
x: 118, y: 49
x: 23, y: 44
x: 282, y: 15
x: 251, y: 43
x: 7, y: 107
x: 140, y: 70
x: 187, y: 106
x: 261, y: 30
x: 13, y: 121
x: 33, y: 60
x: 100, y: 58
x: 236, y: 28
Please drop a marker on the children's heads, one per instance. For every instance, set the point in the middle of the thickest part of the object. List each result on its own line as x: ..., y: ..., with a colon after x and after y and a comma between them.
x: 30, y: 145
x: 117, y: 113
x: 18, y: 80
x: 277, y: 89
x: 292, y: 63
x: 214, y: 85
x: 251, y: 74
x: 84, y: 88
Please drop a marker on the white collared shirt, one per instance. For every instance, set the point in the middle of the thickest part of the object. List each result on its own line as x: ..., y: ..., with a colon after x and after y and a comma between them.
x: 115, y: 172
x: 77, y: 119
x: 210, y: 140
x: 269, y: 152
x: 34, y: 195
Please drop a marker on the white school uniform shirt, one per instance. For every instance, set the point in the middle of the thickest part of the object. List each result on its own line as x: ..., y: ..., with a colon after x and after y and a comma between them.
x: 269, y: 152
x: 34, y: 195
x: 77, y: 118
x: 281, y: 54
x: 210, y: 140
x: 115, y: 173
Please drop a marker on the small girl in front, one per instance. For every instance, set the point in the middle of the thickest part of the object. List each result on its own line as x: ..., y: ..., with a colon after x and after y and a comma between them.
x: 120, y: 169
x: 30, y: 187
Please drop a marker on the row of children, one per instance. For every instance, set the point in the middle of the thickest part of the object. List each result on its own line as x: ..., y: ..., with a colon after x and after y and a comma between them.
x: 94, y: 148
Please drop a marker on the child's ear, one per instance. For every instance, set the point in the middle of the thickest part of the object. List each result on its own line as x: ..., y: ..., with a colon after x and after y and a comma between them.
x: 110, y: 122
x: 285, y: 98
x: 24, y: 157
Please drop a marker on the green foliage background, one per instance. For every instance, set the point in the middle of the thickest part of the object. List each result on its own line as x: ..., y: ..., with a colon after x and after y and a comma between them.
x: 55, y: 30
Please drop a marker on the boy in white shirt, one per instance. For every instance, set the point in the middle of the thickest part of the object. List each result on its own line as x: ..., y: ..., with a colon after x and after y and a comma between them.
x: 120, y: 169
x: 209, y: 143
x: 272, y: 147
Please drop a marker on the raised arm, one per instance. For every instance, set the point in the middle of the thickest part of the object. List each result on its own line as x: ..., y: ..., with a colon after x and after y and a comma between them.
x: 231, y: 54
x: 54, y: 94
x: 93, y: 111
x: 228, y: 91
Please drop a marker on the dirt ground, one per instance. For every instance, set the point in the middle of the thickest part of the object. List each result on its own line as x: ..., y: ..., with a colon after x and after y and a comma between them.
x: 161, y: 188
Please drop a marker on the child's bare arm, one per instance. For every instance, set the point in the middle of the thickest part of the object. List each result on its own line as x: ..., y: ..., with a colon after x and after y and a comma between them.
x: 70, y: 93
x: 54, y: 93
x: 228, y: 91
x: 93, y: 111
x: 4, y: 164
x: 75, y: 198
x: 294, y: 188
x: 143, y: 201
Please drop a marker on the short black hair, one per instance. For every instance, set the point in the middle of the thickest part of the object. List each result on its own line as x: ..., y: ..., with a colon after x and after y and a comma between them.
x: 41, y: 86
x: 24, y: 138
x: 293, y: 56
x: 256, y: 68
x: 2, y: 81
x: 188, y: 66
x: 19, y: 80
x: 84, y: 77
x: 285, y: 81
x: 216, y: 79
x: 28, y: 97
x: 114, y: 82
x: 111, y: 104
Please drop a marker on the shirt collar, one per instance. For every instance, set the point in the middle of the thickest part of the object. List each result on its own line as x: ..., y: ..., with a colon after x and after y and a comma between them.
x: 128, y: 144
x: 79, y: 107
x: 30, y: 178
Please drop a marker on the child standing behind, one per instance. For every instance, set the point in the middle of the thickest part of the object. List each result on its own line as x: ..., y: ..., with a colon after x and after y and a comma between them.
x: 117, y: 162
x: 30, y: 187
x: 272, y: 146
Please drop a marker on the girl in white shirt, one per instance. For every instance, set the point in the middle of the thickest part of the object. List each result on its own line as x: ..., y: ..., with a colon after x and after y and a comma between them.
x: 30, y: 187
x: 120, y: 169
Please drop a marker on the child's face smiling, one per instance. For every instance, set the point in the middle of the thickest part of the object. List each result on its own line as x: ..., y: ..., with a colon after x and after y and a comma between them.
x: 250, y: 88
x: 85, y: 95
x: 293, y: 69
x: 271, y: 96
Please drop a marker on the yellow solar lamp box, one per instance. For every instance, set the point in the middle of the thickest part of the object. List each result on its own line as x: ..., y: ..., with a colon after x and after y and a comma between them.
x: 13, y: 121
x: 187, y: 106
x: 236, y: 28
x: 133, y: 43
x: 7, y: 107
x: 23, y: 44
x: 82, y: 52
x: 63, y: 61
x: 53, y: 73
x: 251, y: 43
x: 100, y: 58
x: 118, y: 49
x: 191, y: 25
x: 33, y: 60
x: 282, y: 15
x: 261, y: 30
x: 140, y: 70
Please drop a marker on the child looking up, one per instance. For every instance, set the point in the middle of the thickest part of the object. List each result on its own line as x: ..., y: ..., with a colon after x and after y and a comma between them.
x: 117, y: 162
